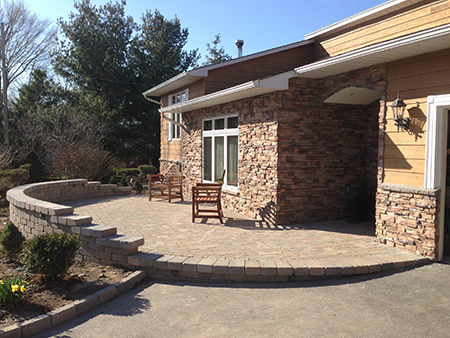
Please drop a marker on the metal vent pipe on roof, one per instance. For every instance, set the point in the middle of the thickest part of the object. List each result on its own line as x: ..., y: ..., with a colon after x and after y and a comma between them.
x: 239, y: 44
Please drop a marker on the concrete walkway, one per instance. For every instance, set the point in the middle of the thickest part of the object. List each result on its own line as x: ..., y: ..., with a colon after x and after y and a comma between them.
x: 242, y: 249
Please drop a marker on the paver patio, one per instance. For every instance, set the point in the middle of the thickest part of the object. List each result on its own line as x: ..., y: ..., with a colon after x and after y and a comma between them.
x: 168, y: 231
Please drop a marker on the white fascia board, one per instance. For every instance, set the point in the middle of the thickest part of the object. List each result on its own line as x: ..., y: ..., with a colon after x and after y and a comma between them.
x: 245, y: 90
x: 370, y: 14
x: 177, y: 82
x: 403, y: 47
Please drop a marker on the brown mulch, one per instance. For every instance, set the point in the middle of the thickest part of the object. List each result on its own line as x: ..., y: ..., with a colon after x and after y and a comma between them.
x: 44, y: 295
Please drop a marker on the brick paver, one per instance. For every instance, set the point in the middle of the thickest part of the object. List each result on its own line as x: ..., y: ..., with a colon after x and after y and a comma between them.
x: 168, y: 231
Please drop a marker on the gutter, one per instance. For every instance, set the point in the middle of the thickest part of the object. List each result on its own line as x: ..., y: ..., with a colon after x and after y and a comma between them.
x: 162, y: 113
x: 245, y: 90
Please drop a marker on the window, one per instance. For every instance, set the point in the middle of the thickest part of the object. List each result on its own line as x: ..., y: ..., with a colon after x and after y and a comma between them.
x: 220, y: 150
x: 174, y: 129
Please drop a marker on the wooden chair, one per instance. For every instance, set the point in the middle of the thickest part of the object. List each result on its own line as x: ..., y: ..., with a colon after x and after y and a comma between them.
x: 213, y: 184
x: 210, y: 195
x: 171, y: 180
x: 207, y: 193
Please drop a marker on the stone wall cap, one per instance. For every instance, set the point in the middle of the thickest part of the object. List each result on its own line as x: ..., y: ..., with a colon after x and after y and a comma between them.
x: 409, y: 189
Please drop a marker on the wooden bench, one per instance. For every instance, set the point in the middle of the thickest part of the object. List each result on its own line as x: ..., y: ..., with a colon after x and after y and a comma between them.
x: 170, y: 180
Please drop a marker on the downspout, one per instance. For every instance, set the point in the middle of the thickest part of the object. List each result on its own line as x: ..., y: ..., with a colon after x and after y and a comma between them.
x: 164, y: 116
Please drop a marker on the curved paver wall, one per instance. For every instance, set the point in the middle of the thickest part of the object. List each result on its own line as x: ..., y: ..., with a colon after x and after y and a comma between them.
x: 35, y: 210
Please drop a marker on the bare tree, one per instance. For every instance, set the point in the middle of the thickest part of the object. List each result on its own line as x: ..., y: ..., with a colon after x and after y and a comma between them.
x: 26, y: 43
x: 67, y: 141
x: 28, y: 39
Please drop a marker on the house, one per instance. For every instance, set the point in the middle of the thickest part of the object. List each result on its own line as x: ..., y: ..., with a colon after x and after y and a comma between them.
x: 306, y: 131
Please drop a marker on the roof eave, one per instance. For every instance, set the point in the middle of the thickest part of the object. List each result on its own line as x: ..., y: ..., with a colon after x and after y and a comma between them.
x: 188, y: 77
x: 245, y: 90
x: 367, y: 15
x: 176, y: 82
x: 427, y: 41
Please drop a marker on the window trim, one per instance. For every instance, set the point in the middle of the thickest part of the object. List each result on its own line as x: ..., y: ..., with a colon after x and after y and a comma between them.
x: 173, y: 137
x: 219, y: 133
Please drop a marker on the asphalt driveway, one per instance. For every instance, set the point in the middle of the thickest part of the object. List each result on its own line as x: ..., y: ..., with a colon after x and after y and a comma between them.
x: 412, y: 303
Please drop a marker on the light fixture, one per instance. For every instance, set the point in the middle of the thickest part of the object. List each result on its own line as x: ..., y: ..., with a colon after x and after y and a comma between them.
x: 398, y: 108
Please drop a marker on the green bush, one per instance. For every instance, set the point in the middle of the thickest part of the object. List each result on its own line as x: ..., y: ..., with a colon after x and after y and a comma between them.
x: 26, y: 166
x: 138, y: 187
x: 124, y: 181
x: 16, y: 176
x: 12, y: 240
x: 51, y: 255
x: 147, y: 170
x: 129, y: 172
x: 12, y: 289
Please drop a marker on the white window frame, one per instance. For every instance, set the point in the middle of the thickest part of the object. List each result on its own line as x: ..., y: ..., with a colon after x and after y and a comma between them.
x: 218, y: 133
x: 175, y: 99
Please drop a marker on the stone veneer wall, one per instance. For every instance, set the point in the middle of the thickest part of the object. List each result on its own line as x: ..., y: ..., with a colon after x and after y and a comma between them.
x: 327, y: 152
x: 297, y: 155
x: 34, y: 210
x: 257, y: 159
x: 407, y: 218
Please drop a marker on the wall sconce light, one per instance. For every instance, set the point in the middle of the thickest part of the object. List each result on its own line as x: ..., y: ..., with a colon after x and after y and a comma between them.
x: 398, y: 108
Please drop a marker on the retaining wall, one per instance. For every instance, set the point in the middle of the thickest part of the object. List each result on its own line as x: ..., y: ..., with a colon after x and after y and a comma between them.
x: 35, y: 209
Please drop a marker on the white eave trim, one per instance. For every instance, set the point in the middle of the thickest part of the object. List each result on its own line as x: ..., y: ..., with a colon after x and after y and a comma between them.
x: 403, y: 47
x: 370, y: 14
x: 176, y: 82
x: 245, y: 90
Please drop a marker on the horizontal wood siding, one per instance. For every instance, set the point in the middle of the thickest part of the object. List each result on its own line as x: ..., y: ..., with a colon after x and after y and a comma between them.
x: 196, y: 89
x: 225, y: 77
x: 170, y: 150
x: 238, y: 73
x: 414, y: 79
x: 428, y: 15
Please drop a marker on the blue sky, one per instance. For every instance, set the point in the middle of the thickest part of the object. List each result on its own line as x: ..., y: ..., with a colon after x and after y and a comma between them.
x: 261, y: 24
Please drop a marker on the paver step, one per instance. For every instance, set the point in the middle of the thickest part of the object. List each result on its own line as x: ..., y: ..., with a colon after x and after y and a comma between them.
x: 94, y: 230
x: 121, y: 241
x: 217, y: 269
x: 72, y: 220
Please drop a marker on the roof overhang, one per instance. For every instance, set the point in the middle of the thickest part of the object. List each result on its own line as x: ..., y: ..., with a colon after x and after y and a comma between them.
x: 245, y: 90
x: 182, y: 79
x: 415, y: 44
x: 427, y: 41
x: 186, y: 78
x: 373, y: 13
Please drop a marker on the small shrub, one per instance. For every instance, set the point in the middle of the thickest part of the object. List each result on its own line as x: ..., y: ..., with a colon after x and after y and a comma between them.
x: 124, y: 181
x: 115, y: 180
x: 51, y: 255
x: 138, y: 187
x: 147, y: 170
x: 12, y: 240
x: 16, y: 176
x: 129, y: 172
x: 12, y: 289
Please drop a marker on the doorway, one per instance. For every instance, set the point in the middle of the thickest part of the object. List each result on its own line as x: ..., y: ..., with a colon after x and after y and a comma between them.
x: 436, y: 156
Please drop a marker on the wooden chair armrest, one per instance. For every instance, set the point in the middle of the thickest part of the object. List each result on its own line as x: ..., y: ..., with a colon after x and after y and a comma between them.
x: 209, y: 184
x: 155, y: 178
